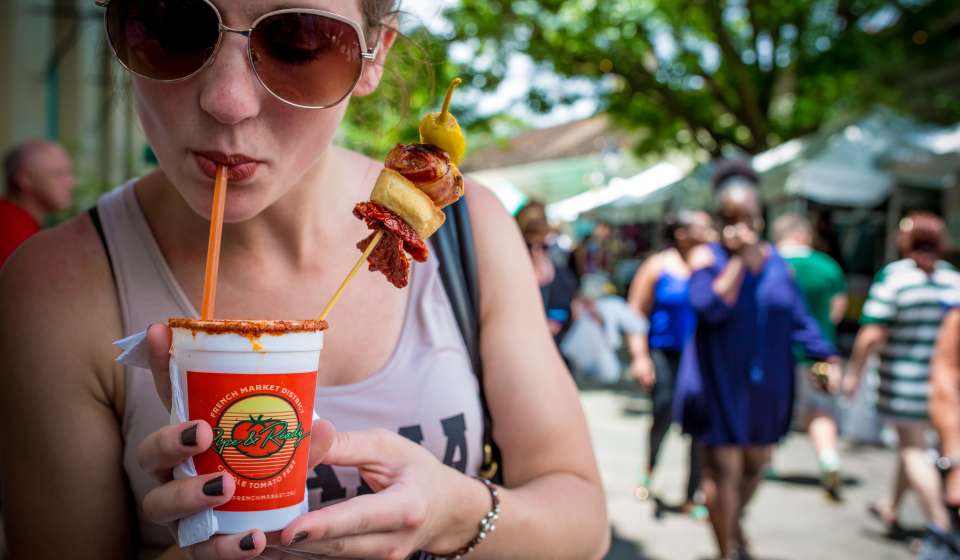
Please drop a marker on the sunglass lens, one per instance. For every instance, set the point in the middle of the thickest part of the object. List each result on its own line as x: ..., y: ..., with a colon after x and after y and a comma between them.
x: 307, y: 59
x: 163, y: 39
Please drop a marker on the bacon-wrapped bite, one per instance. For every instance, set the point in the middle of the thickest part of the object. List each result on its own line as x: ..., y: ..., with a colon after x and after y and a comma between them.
x: 430, y: 170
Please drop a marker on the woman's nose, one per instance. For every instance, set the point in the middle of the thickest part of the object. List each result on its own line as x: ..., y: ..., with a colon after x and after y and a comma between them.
x: 230, y: 91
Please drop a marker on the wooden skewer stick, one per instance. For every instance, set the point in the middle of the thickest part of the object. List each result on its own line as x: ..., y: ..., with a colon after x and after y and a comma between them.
x: 213, y: 245
x: 353, y: 272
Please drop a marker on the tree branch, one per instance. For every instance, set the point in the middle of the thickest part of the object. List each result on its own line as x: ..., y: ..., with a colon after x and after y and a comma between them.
x: 754, y: 122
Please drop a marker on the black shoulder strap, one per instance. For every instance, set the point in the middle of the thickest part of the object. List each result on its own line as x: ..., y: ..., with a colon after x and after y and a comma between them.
x: 94, y: 214
x: 453, y: 245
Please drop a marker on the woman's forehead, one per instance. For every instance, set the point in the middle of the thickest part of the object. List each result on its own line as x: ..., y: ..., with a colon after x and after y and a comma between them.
x: 244, y: 12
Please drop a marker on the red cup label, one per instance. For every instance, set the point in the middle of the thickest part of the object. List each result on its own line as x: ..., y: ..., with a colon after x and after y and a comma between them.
x: 261, y: 434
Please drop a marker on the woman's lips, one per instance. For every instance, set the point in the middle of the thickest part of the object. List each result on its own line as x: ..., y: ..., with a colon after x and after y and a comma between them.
x: 239, y: 167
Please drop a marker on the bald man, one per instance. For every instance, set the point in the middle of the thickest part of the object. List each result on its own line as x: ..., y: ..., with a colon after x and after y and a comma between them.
x: 40, y: 181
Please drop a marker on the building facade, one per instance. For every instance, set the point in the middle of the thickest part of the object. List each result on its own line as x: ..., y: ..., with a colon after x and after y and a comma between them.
x: 62, y: 83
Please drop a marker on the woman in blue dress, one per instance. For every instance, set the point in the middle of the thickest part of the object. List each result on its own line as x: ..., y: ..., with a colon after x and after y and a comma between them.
x: 735, y: 387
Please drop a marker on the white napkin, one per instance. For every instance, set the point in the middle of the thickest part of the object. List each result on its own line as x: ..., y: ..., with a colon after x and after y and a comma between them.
x: 200, y: 526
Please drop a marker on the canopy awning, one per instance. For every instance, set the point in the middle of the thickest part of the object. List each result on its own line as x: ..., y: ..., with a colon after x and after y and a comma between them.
x: 632, y: 190
x: 836, y: 184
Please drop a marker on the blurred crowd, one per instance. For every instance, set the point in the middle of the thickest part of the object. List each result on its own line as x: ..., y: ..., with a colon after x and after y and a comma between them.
x: 730, y: 326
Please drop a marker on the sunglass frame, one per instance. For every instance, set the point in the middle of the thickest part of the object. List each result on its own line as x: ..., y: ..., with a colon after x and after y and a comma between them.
x: 366, y: 54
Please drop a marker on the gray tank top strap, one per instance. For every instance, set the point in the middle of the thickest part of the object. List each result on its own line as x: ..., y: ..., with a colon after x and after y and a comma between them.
x: 146, y: 287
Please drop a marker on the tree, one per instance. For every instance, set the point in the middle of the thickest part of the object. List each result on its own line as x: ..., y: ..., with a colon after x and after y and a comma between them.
x: 716, y: 74
x: 414, y: 83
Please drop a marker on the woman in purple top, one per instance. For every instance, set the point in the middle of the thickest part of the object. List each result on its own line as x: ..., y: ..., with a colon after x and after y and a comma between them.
x: 735, y: 387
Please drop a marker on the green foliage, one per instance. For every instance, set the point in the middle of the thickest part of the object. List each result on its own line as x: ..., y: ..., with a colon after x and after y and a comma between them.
x: 415, y: 80
x: 708, y: 75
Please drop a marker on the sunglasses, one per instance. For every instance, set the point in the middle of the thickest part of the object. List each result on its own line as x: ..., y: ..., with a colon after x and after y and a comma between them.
x: 307, y: 58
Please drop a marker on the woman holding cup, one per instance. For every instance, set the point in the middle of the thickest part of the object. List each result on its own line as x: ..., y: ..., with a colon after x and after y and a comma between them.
x: 261, y: 91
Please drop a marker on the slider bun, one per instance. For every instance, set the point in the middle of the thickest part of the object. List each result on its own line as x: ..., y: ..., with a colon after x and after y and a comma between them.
x: 397, y: 194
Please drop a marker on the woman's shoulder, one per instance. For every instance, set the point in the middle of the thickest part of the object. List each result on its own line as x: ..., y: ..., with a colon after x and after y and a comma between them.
x: 482, y: 202
x: 57, y: 293
x: 57, y: 262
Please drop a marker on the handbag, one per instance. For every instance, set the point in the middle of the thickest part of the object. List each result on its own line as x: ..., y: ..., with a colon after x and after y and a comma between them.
x: 455, y: 251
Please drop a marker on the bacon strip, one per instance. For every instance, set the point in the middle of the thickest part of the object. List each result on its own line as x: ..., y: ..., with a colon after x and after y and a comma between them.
x: 378, y: 217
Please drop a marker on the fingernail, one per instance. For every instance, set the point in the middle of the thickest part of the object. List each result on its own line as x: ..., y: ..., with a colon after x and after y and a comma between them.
x: 214, y: 487
x: 299, y: 538
x: 188, y: 437
x: 246, y: 543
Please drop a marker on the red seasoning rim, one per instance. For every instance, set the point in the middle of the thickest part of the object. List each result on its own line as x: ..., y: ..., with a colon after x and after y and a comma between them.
x: 248, y: 328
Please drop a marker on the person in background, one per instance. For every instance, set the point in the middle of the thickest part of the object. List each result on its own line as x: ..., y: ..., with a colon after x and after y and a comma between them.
x: 736, y: 381
x: 40, y: 181
x: 825, y: 292
x: 600, y: 319
x: 558, y: 287
x: 900, y: 321
x: 945, y: 415
x: 659, y: 291
x: 593, y: 253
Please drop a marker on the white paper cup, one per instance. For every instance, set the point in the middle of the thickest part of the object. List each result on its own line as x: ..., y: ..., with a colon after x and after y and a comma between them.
x: 254, y: 383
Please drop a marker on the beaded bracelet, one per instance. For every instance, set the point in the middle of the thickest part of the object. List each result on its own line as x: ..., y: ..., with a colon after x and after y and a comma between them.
x: 486, y: 525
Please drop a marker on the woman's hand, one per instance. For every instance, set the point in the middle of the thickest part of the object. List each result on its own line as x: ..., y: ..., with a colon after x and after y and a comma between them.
x: 169, y: 446
x: 418, y: 503
x: 826, y: 376
x: 850, y: 384
x: 643, y: 370
x: 739, y: 237
x: 952, y: 488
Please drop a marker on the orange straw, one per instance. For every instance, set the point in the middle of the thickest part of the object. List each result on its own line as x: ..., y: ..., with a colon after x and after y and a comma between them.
x: 213, y: 246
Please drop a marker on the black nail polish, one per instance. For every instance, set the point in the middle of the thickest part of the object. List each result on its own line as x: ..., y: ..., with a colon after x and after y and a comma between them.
x: 213, y: 487
x: 188, y: 437
x: 246, y: 543
x: 299, y: 538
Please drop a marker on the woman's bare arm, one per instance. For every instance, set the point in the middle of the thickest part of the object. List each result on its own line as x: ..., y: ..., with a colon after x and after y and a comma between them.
x: 64, y: 490
x: 555, y: 506
x: 945, y: 386
x: 641, y: 299
x: 870, y: 338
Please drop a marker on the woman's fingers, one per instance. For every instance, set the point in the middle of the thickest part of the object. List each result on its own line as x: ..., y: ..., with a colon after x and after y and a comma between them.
x: 229, y: 547
x: 180, y: 498
x: 322, y: 435
x: 371, y: 513
x: 158, y: 340
x: 354, y: 449
x: 385, y: 546
x: 169, y: 446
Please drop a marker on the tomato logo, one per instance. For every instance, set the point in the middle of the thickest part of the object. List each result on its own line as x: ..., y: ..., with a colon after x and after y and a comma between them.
x: 257, y: 436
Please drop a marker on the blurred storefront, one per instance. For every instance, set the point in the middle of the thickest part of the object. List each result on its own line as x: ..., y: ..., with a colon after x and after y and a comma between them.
x: 63, y: 84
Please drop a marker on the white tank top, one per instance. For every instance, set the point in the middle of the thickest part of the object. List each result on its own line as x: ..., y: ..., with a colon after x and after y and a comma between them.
x: 426, y: 392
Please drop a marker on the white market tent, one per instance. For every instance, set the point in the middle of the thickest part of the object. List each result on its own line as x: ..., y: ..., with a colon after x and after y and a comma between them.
x: 857, y: 165
x: 631, y: 190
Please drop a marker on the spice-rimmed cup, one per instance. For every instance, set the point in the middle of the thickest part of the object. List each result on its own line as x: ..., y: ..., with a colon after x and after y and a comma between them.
x: 254, y: 382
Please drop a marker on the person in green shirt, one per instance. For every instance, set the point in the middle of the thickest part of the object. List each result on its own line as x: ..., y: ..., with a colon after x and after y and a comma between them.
x: 824, y: 289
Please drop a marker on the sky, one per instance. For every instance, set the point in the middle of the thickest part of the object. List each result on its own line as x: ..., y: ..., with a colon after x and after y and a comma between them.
x: 520, y: 75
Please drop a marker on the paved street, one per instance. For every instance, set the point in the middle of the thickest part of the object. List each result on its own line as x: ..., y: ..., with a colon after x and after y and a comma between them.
x: 788, y: 520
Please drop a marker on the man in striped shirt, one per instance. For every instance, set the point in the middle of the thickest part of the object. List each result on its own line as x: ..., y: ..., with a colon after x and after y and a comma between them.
x: 901, y: 319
